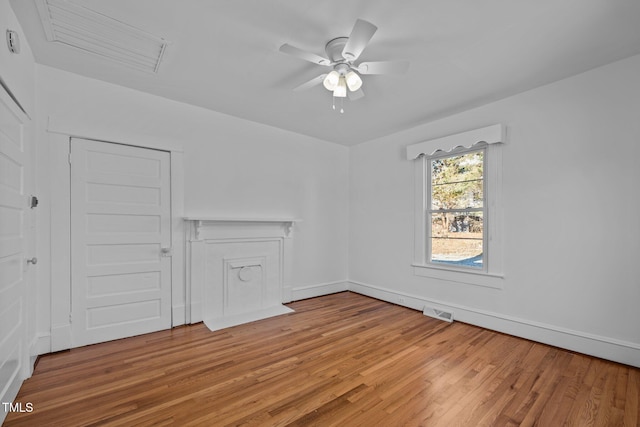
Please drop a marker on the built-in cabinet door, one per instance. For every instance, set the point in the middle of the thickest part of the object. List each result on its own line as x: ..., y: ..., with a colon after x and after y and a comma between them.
x: 14, y: 220
x: 120, y: 241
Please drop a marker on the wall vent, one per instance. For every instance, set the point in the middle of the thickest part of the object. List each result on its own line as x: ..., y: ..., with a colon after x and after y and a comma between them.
x: 96, y: 33
x: 437, y: 313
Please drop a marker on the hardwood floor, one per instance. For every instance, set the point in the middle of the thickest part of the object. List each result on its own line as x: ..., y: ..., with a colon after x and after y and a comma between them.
x: 342, y: 359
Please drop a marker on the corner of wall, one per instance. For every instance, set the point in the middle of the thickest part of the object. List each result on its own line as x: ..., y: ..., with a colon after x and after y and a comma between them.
x: 312, y: 291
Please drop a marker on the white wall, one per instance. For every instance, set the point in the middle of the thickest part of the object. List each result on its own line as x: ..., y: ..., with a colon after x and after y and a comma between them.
x: 232, y: 167
x: 572, y: 148
x: 572, y: 234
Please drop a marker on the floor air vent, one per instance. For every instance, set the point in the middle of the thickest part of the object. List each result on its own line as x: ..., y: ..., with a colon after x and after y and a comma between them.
x: 447, y: 316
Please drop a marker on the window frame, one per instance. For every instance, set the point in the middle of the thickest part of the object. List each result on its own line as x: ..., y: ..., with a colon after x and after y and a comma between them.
x: 491, y: 139
x: 429, y: 211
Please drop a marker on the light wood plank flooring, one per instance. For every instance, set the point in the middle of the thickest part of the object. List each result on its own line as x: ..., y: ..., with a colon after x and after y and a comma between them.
x: 343, y: 360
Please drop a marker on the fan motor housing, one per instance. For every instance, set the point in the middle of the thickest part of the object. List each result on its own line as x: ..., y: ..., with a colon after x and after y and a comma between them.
x: 334, y: 49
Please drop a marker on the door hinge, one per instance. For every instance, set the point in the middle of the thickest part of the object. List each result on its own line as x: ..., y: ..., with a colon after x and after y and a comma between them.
x: 70, y: 317
x: 69, y: 157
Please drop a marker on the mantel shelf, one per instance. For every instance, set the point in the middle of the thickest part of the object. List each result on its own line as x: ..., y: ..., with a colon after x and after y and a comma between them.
x: 236, y: 219
x: 210, y: 222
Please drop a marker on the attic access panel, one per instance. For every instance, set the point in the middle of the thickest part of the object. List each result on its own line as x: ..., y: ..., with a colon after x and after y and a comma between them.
x: 83, y: 28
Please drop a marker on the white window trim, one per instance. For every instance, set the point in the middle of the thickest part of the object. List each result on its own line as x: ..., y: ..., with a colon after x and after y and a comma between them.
x: 428, y: 190
x: 492, y: 137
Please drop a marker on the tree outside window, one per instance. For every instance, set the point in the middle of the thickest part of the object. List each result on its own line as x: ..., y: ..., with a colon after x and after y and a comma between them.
x: 456, y: 210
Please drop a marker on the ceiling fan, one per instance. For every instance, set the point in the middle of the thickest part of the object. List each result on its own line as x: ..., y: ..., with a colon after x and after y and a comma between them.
x: 342, y: 53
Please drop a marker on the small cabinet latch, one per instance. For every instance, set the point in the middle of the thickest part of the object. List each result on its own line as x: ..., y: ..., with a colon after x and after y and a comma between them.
x: 33, y: 202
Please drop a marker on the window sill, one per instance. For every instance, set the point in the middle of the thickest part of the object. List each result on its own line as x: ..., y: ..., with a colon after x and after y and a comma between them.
x: 468, y: 277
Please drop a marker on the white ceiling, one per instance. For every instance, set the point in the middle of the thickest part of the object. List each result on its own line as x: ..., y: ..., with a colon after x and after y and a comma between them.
x: 224, y: 54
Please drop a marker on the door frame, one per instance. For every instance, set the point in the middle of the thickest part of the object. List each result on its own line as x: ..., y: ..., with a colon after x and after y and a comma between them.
x: 59, y: 140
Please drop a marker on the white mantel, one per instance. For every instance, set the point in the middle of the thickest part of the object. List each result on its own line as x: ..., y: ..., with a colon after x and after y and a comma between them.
x: 238, y: 269
x: 244, y: 225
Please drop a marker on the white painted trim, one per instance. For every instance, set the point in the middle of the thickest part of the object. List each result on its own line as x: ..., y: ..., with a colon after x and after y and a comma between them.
x: 9, y: 392
x: 489, y: 135
x: 201, y: 222
x: 11, y: 102
x: 60, y: 245
x: 203, y: 230
x: 320, y: 289
x: 468, y: 277
x: 178, y: 287
x: 60, y: 337
x: 32, y: 351
x: 620, y: 351
x: 178, y: 315
x: 419, y: 211
x: 195, y: 274
x: 18, y: 340
x: 237, y: 219
x: 287, y: 264
x: 41, y: 344
x: 490, y: 275
x: 78, y: 129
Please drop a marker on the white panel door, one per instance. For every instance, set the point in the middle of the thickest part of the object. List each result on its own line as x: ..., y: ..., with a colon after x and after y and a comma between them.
x: 120, y: 241
x: 13, y: 207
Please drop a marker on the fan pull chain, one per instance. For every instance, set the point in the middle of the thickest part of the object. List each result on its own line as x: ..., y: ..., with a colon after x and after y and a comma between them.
x: 333, y: 105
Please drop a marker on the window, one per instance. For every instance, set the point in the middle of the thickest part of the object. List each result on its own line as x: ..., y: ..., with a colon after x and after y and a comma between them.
x: 456, y: 210
x: 458, y: 222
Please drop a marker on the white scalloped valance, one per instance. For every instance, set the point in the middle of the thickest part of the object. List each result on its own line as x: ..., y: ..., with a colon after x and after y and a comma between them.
x: 488, y: 135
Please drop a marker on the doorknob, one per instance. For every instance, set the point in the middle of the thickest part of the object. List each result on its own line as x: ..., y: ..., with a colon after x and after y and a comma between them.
x: 33, y: 261
x: 165, y: 251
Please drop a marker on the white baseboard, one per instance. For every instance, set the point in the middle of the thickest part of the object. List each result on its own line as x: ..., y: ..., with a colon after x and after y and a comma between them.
x: 318, y: 290
x: 178, y: 315
x: 595, y: 345
x: 287, y: 294
x: 40, y: 344
x: 60, y: 337
x: 9, y: 392
x: 196, y: 313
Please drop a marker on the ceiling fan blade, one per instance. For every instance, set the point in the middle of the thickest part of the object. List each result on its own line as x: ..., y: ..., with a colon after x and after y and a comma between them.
x: 358, y: 39
x: 354, y: 96
x: 311, y: 83
x: 303, y: 54
x: 383, y: 67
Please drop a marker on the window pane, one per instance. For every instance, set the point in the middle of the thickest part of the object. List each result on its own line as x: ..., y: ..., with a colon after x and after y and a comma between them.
x: 457, y: 181
x: 457, y: 238
x: 458, y: 195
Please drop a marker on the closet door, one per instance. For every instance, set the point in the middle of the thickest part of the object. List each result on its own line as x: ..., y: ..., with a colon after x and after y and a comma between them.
x: 120, y: 241
x: 14, y: 223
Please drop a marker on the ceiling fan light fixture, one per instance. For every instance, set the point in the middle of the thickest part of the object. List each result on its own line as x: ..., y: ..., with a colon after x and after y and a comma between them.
x: 353, y: 80
x: 341, y: 89
x: 344, y: 78
x: 331, y: 81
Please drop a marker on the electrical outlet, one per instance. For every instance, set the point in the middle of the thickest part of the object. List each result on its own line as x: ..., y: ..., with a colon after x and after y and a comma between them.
x: 401, y: 300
